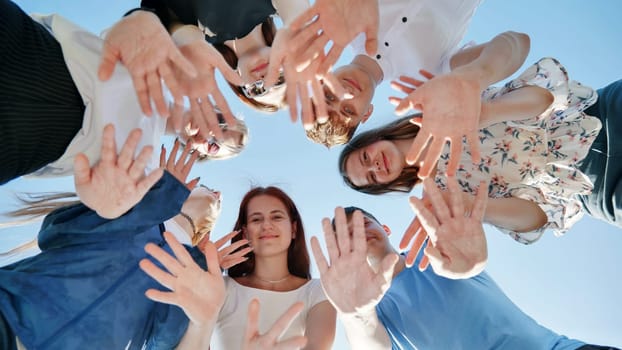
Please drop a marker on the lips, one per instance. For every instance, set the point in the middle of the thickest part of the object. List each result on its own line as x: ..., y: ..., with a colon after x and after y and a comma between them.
x: 353, y: 83
x: 268, y: 236
x: 262, y: 66
x: 386, y: 163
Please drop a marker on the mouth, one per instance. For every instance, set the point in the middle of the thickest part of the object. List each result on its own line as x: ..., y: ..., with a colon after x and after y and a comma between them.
x: 353, y: 83
x: 386, y: 163
x: 262, y: 66
x: 268, y: 237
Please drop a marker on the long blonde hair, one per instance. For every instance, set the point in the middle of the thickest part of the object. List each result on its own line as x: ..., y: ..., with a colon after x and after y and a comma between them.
x: 35, y: 206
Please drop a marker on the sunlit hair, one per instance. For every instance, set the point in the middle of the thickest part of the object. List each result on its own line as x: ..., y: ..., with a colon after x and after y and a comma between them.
x: 227, y: 149
x: 35, y: 206
x: 336, y: 131
x: 399, y: 129
x: 297, y: 255
x: 268, y: 29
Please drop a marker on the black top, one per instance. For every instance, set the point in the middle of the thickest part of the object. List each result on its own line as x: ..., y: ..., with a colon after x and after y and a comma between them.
x: 227, y: 20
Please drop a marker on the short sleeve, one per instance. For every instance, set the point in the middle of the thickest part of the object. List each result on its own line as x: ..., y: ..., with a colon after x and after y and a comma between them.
x: 315, y: 293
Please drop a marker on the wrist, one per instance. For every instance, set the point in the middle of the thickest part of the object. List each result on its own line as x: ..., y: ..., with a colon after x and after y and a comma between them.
x: 184, y: 34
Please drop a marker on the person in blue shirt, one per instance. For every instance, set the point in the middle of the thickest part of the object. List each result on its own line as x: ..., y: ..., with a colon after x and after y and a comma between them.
x: 85, y: 289
x: 402, y: 308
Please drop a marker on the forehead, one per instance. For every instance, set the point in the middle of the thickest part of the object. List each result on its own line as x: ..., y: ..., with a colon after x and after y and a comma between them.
x: 354, y: 168
x: 263, y: 204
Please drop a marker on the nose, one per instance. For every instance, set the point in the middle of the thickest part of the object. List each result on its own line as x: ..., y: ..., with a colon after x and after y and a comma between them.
x: 217, y: 194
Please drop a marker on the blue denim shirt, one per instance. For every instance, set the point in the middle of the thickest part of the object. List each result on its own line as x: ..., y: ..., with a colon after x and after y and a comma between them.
x: 85, y: 289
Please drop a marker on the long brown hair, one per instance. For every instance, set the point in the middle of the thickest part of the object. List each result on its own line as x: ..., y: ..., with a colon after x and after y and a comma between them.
x: 297, y: 256
x: 399, y: 129
x: 268, y: 30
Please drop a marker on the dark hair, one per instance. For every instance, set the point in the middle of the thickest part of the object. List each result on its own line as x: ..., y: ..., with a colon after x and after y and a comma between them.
x: 297, y: 255
x: 268, y: 29
x: 350, y: 210
x: 399, y: 129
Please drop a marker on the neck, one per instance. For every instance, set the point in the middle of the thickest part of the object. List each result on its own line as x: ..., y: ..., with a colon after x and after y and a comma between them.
x: 271, y: 268
x: 370, y: 66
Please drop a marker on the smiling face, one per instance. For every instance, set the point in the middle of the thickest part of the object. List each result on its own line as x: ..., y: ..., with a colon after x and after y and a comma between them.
x: 269, y: 227
x: 361, y: 86
x: 378, y: 163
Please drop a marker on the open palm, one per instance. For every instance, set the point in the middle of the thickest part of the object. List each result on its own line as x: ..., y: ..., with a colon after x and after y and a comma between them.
x: 116, y: 183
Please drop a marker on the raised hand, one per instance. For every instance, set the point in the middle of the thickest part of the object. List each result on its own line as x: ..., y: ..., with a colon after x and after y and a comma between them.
x: 451, y: 107
x: 348, y: 270
x: 143, y: 45
x: 230, y: 256
x: 457, y: 242
x: 205, y: 97
x: 181, y: 167
x: 253, y: 340
x: 415, y: 231
x: 303, y: 75
x: 199, y: 293
x: 341, y: 21
x: 116, y: 183
x: 408, y: 85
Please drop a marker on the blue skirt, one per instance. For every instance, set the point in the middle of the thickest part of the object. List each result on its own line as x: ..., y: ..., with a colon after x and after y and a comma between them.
x: 603, y: 163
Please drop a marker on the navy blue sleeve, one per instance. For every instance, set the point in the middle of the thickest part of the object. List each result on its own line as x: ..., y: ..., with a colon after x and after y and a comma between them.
x: 162, y: 202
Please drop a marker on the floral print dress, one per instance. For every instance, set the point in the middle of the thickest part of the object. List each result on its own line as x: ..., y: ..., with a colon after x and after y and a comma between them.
x: 536, y: 159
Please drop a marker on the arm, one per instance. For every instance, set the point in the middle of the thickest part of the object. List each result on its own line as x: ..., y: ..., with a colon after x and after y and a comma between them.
x: 199, y: 293
x: 288, y: 10
x: 493, y: 61
x: 523, y: 103
x: 347, y: 272
x: 320, y: 329
x: 515, y: 214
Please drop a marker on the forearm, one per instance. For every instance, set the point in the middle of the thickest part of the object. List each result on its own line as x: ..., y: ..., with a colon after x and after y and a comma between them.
x: 524, y: 103
x: 497, y: 59
x: 197, y: 337
x: 365, y: 331
x: 184, y: 34
x: 288, y: 10
x: 515, y: 214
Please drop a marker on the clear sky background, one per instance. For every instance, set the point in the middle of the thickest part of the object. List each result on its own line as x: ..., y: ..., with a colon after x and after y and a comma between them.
x: 570, y: 284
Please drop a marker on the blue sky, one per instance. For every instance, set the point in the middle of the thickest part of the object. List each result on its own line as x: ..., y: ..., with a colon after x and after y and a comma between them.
x: 570, y: 284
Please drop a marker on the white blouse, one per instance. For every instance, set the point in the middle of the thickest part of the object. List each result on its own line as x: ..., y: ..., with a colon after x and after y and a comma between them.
x: 229, y: 331
x: 419, y: 34
x: 536, y: 159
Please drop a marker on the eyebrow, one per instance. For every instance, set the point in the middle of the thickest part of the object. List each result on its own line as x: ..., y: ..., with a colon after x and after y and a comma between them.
x: 280, y: 211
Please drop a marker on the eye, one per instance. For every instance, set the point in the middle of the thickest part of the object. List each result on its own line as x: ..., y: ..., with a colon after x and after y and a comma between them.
x: 349, y: 111
x: 330, y: 97
x: 277, y: 217
x: 255, y: 219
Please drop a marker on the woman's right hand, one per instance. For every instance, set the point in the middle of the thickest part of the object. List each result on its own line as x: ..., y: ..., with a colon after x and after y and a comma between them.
x: 181, y: 167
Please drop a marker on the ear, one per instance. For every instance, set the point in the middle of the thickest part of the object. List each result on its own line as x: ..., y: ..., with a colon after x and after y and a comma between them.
x: 386, y: 229
x: 243, y: 231
x: 367, y: 114
x: 293, y: 229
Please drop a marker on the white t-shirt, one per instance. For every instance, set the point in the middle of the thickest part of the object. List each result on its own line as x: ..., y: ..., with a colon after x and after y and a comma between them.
x: 419, y: 34
x: 229, y: 331
x: 113, y: 101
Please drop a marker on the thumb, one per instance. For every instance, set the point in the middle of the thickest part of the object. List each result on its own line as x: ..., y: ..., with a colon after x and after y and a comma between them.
x: 110, y: 56
x: 81, y: 170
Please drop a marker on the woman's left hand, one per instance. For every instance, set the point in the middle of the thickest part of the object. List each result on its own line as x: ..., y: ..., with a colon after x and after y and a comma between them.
x: 199, y: 293
x: 230, y: 256
x: 117, y: 182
